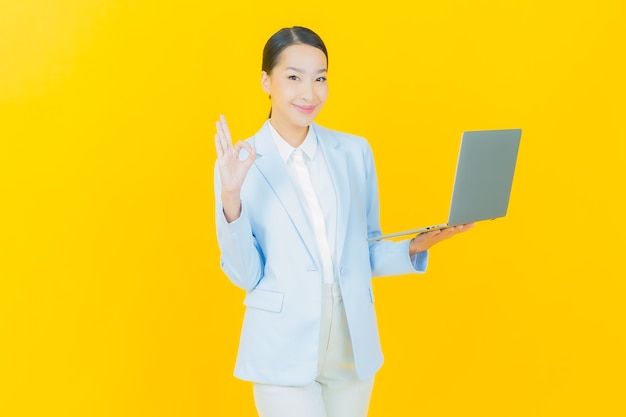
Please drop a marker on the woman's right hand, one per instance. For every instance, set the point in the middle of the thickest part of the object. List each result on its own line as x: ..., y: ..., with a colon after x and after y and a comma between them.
x: 232, y: 170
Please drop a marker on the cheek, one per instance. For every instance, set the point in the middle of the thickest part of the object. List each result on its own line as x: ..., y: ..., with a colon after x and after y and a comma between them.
x: 285, y: 90
x: 322, y: 92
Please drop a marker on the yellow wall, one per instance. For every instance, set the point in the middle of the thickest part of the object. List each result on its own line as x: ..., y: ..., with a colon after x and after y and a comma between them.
x: 111, y: 299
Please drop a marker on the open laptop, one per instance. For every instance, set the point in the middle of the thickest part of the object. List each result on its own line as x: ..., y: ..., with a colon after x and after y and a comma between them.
x: 483, y: 180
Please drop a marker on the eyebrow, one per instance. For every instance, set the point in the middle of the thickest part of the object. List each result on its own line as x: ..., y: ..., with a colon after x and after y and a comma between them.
x: 301, y: 70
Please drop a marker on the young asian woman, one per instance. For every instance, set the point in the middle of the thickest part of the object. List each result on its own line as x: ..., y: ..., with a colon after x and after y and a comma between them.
x: 295, y: 206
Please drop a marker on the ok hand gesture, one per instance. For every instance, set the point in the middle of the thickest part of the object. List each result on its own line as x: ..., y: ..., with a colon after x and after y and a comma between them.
x: 232, y: 169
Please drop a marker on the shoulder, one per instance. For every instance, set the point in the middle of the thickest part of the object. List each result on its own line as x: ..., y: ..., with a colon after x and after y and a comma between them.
x: 342, y: 138
x: 263, y: 131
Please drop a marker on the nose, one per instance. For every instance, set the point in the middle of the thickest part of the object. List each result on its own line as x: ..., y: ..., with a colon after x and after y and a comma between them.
x: 307, y: 91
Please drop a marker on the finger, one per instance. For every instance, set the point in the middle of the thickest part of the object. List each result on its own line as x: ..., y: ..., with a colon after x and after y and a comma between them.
x: 218, y: 146
x: 464, y: 227
x: 248, y: 148
x: 448, y: 232
x: 224, y: 134
x: 251, y: 157
x: 225, y: 127
x: 220, y: 129
x: 428, y: 235
x: 245, y: 145
x: 459, y: 229
x: 239, y: 146
x: 224, y: 140
x: 432, y: 233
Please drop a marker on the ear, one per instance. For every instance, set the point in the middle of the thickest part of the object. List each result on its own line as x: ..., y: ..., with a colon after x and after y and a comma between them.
x: 265, y: 82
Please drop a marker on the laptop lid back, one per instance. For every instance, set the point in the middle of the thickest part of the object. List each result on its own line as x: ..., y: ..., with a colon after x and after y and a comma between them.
x: 484, y: 175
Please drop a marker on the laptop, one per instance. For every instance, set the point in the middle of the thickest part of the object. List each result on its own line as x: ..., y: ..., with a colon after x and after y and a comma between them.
x: 483, y: 180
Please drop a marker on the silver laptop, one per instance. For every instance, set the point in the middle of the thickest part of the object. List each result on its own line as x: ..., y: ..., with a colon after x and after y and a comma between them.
x: 483, y: 180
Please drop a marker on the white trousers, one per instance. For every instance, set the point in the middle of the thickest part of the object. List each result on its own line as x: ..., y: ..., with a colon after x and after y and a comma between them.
x: 337, y: 391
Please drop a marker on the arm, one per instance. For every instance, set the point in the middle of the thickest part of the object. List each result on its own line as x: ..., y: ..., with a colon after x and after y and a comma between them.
x: 241, y: 257
x: 386, y: 257
x: 394, y: 258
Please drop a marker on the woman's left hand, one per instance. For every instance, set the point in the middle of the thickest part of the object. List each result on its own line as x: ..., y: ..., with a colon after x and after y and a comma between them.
x: 425, y: 241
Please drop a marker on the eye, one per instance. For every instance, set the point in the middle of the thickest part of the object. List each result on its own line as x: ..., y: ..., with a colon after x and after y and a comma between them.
x: 321, y: 79
x: 293, y: 77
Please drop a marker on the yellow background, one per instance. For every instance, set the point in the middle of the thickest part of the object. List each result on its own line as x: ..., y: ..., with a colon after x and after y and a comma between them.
x: 111, y: 298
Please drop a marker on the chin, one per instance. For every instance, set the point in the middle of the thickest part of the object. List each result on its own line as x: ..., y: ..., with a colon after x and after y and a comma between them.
x: 303, y: 121
x: 307, y: 119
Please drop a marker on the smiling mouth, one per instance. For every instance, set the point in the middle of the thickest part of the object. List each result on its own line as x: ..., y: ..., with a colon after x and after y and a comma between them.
x: 305, y: 109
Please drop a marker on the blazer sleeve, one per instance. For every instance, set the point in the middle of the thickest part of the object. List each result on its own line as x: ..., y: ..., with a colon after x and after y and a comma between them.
x: 241, y: 257
x: 387, y: 257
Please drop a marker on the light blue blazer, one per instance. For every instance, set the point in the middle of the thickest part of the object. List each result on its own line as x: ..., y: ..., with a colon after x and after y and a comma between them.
x: 270, y: 252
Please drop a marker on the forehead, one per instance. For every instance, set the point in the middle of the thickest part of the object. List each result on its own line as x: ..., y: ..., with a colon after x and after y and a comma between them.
x: 302, y: 56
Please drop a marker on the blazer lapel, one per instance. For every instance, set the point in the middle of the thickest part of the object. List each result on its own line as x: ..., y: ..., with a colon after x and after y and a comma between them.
x: 273, y: 170
x: 338, y: 169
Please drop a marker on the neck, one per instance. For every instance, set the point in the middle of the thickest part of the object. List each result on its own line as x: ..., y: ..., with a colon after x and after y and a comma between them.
x: 293, y: 135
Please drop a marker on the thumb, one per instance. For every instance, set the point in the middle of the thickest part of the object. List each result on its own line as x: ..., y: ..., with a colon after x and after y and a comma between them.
x: 251, y: 156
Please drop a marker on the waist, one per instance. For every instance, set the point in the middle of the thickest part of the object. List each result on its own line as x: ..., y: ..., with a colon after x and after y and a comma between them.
x: 331, y: 289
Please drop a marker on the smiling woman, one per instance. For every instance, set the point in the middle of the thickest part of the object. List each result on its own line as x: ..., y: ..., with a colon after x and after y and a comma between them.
x: 293, y: 215
x: 298, y: 88
x: 296, y: 36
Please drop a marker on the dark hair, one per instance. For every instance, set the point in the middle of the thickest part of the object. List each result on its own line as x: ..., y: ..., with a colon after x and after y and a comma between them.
x: 285, y: 37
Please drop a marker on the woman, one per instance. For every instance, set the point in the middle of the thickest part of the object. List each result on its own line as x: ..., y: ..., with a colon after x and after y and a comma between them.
x: 295, y: 205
